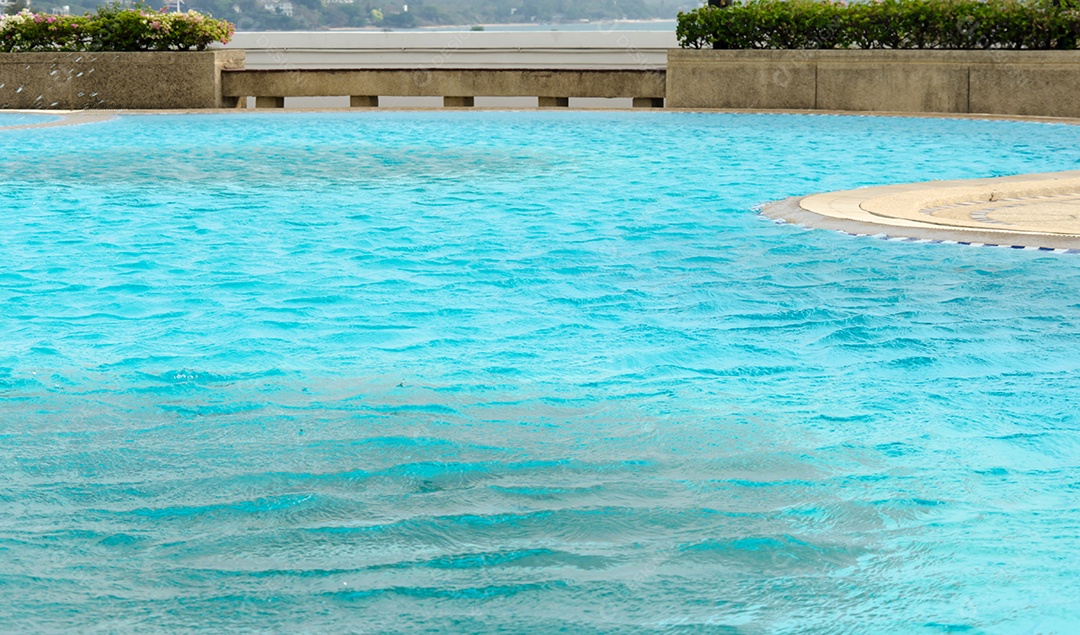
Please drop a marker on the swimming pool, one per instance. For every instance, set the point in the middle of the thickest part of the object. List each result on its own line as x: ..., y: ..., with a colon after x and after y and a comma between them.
x: 524, y: 372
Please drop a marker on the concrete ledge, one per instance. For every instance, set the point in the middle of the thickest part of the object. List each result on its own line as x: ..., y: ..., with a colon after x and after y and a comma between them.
x: 608, y: 45
x: 1031, y: 210
x: 1029, y: 83
x: 75, y: 81
x: 450, y: 83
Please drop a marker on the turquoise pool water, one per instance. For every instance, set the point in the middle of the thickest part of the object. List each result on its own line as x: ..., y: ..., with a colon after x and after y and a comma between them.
x: 525, y: 373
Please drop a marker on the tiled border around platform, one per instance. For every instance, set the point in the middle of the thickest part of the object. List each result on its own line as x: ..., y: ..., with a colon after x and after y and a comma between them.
x: 951, y: 211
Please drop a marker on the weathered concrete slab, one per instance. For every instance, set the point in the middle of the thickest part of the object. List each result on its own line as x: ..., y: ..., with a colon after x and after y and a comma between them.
x: 605, y: 45
x: 742, y: 79
x: 908, y: 84
x: 1028, y: 83
x: 1024, y: 83
x: 442, y: 82
x: 150, y: 80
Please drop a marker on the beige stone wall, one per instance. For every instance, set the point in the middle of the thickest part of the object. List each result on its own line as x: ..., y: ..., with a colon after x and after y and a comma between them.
x: 1033, y: 83
x: 1027, y: 83
x: 443, y: 82
x: 153, y: 80
x: 606, y: 45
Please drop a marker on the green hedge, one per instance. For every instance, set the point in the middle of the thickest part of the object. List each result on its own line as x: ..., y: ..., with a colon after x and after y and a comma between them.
x: 112, y: 29
x: 893, y: 24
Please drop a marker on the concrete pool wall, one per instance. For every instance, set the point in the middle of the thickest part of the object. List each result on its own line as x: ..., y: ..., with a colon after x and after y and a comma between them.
x: 457, y: 87
x: 993, y: 82
x: 104, y: 81
x: 611, y: 68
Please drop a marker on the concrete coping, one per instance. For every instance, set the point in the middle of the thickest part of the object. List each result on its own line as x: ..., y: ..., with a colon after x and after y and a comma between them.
x: 1029, y: 210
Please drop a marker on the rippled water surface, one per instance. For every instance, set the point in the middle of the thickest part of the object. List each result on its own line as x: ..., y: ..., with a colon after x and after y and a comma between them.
x: 525, y: 373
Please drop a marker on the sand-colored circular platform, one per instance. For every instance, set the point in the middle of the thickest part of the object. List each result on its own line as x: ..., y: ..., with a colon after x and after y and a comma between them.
x: 1031, y: 210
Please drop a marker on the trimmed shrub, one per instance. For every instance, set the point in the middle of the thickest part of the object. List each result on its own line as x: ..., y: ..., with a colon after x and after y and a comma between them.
x: 112, y: 29
x: 891, y: 24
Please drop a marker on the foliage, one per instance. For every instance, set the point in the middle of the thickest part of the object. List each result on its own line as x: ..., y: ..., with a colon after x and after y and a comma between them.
x: 26, y: 31
x: 112, y: 29
x: 894, y: 24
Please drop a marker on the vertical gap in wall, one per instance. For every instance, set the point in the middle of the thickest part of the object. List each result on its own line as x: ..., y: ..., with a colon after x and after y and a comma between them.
x: 815, y: 85
x: 969, y: 90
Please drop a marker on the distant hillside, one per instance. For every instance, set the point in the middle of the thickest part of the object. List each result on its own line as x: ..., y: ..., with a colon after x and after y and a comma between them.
x: 276, y: 15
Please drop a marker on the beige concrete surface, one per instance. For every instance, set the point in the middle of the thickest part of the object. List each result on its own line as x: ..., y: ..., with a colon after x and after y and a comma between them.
x: 159, y: 79
x: 442, y: 82
x: 907, y: 86
x: 1021, y: 83
x: 1025, y: 83
x: 765, y: 80
x: 608, y: 45
x: 1030, y: 210
x: 1037, y: 86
